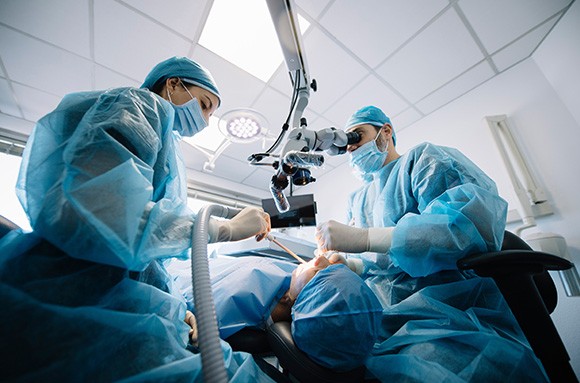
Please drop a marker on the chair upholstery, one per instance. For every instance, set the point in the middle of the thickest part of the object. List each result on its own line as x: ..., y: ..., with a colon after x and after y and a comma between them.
x: 249, y: 340
x: 522, y: 277
x: 299, y: 365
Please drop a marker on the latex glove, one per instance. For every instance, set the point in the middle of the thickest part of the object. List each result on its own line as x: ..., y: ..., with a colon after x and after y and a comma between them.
x: 192, y: 322
x: 249, y: 222
x: 333, y: 235
x: 335, y: 257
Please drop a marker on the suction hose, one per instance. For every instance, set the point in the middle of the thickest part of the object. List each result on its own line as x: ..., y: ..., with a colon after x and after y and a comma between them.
x: 212, y: 358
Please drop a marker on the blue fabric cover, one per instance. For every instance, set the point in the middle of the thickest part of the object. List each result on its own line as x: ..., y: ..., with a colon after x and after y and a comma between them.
x: 69, y: 320
x: 370, y: 115
x: 245, y: 289
x: 184, y: 68
x: 92, y: 141
x: 336, y: 318
x: 86, y: 296
x: 439, y: 324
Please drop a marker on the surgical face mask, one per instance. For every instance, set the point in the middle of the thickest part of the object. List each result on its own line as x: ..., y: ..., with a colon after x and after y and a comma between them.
x: 189, y: 118
x: 369, y: 158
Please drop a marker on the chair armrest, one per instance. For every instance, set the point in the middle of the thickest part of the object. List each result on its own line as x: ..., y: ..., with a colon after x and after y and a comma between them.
x: 299, y: 365
x: 510, y: 261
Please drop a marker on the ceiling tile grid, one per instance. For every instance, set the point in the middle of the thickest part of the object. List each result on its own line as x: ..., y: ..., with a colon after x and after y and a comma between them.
x: 130, y: 43
x: 8, y: 103
x: 444, y: 50
x: 370, y: 91
x: 373, y: 29
x: 498, y: 22
x: 408, y: 57
x: 335, y: 70
x: 522, y: 47
x: 34, y: 63
x: 37, y: 104
x: 186, y: 21
x: 237, y: 87
x: 64, y: 23
x: 460, y: 85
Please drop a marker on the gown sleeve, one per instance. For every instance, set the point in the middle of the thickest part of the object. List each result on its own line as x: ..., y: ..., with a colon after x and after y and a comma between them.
x: 103, y: 180
x: 458, y: 212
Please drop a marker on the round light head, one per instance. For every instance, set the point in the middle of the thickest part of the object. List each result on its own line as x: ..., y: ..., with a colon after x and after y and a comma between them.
x: 243, y: 125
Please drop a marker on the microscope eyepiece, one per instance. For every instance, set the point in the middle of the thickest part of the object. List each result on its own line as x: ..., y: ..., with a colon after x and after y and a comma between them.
x: 353, y: 138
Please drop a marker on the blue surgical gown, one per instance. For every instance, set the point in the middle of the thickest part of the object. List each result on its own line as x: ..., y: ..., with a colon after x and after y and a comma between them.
x: 439, y: 324
x: 86, y: 295
x: 245, y: 289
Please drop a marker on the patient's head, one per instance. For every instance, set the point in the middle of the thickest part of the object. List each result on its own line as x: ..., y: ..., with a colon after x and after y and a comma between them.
x: 300, y: 277
x: 336, y: 316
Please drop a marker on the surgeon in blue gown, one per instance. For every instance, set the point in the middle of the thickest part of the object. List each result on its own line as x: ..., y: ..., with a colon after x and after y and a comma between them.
x: 86, y: 296
x: 407, y: 227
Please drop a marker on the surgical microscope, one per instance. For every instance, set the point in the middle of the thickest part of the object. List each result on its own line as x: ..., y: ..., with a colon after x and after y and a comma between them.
x: 302, y: 148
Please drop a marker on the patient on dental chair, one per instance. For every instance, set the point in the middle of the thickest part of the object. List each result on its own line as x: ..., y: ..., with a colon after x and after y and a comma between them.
x: 335, y: 316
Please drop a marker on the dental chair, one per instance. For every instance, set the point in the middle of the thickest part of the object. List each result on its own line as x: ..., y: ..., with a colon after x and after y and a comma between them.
x: 522, y: 277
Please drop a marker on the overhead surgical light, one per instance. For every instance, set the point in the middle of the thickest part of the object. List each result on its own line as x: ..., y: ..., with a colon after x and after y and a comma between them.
x: 243, y: 125
x: 240, y: 126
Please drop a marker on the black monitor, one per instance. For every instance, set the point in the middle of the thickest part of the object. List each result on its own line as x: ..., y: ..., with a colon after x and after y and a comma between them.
x: 302, y: 211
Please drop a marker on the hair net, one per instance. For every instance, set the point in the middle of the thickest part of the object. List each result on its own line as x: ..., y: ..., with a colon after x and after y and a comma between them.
x: 370, y: 115
x: 336, y: 318
x: 184, y: 68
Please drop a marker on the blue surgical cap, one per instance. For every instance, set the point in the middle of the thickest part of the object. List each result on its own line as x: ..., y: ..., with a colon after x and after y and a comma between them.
x: 336, y: 319
x: 184, y: 68
x: 370, y: 115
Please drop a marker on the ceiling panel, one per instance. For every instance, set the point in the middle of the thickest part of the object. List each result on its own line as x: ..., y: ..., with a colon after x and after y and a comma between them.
x: 193, y: 158
x: 186, y: 21
x: 38, y: 103
x: 275, y: 107
x: 312, y: 8
x: 8, y: 104
x: 259, y: 178
x: 373, y: 29
x: 38, y: 64
x: 242, y: 151
x: 408, y: 57
x: 406, y: 118
x: 498, y: 22
x: 334, y: 70
x: 521, y: 48
x: 16, y: 124
x: 370, y: 91
x: 464, y: 83
x: 106, y: 78
x: 444, y: 50
x: 45, y: 20
x: 232, y: 169
x: 131, y: 44
x: 237, y: 87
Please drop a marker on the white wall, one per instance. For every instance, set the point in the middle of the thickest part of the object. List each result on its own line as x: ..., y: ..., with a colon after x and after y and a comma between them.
x: 541, y: 98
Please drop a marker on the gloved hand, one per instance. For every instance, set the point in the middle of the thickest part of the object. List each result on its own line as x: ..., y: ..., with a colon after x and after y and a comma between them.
x: 335, y: 257
x: 332, y: 235
x: 250, y: 221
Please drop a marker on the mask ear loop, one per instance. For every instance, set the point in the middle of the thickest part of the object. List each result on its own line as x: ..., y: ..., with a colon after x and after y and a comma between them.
x: 377, y: 136
x: 187, y: 90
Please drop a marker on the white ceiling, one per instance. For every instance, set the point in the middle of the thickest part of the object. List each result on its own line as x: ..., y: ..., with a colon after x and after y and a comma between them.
x: 409, y: 57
